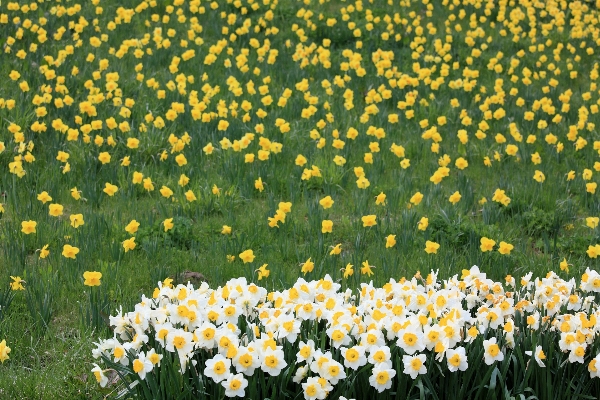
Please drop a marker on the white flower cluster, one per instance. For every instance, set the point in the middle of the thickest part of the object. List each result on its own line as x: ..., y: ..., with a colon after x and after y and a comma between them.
x: 420, y: 316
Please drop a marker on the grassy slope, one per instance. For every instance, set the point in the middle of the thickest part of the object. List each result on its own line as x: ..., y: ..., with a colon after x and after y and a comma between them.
x: 57, y: 363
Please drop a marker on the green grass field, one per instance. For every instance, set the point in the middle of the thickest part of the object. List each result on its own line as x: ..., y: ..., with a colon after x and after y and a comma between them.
x: 369, y: 103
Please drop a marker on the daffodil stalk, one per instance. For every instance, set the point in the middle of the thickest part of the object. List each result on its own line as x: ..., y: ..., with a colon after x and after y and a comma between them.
x: 95, y: 312
x: 7, y: 294
x: 40, y: 294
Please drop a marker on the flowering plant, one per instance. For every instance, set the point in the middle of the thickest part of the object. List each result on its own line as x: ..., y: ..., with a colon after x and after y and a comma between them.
x: 470, y: 336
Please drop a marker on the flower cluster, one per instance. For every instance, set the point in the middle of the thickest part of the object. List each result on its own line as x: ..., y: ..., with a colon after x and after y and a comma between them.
x: 322, y: 335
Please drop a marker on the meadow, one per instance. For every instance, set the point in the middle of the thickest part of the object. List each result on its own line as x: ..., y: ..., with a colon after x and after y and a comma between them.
x: 361, y: 154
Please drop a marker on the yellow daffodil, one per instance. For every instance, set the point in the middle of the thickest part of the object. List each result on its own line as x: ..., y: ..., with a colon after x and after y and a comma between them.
x: 369, y: 220
x: 487, y: 244
x: 431, y: 247
x: 17, y: 283
x: 70, y: 251
x: 307, y: 266
x: 168, y: 224
x: 44, y: 252
x: 505, y: 248
x: 390, y: 241
x: 4, y: 351
x: 110, y: 189
x: 336, y: 250
x: 247, y: 256
x: 92, y: 278
x: 326, y: 202
x: 129, y: 244
x: 455, y: 197
x: 263, y: 272
x: 28, y: 227
x: 76, y: 220
x: 366, y: 269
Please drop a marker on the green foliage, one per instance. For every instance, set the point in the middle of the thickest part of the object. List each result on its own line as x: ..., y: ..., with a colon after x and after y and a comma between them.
x: 180, y: 236
x: 40, y: 297
x: 454, y: 232
x: 537, y: 222
x: 7, y: 295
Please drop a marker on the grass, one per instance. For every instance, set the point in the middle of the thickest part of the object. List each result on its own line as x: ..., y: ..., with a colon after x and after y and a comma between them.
x: 546, y: 222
